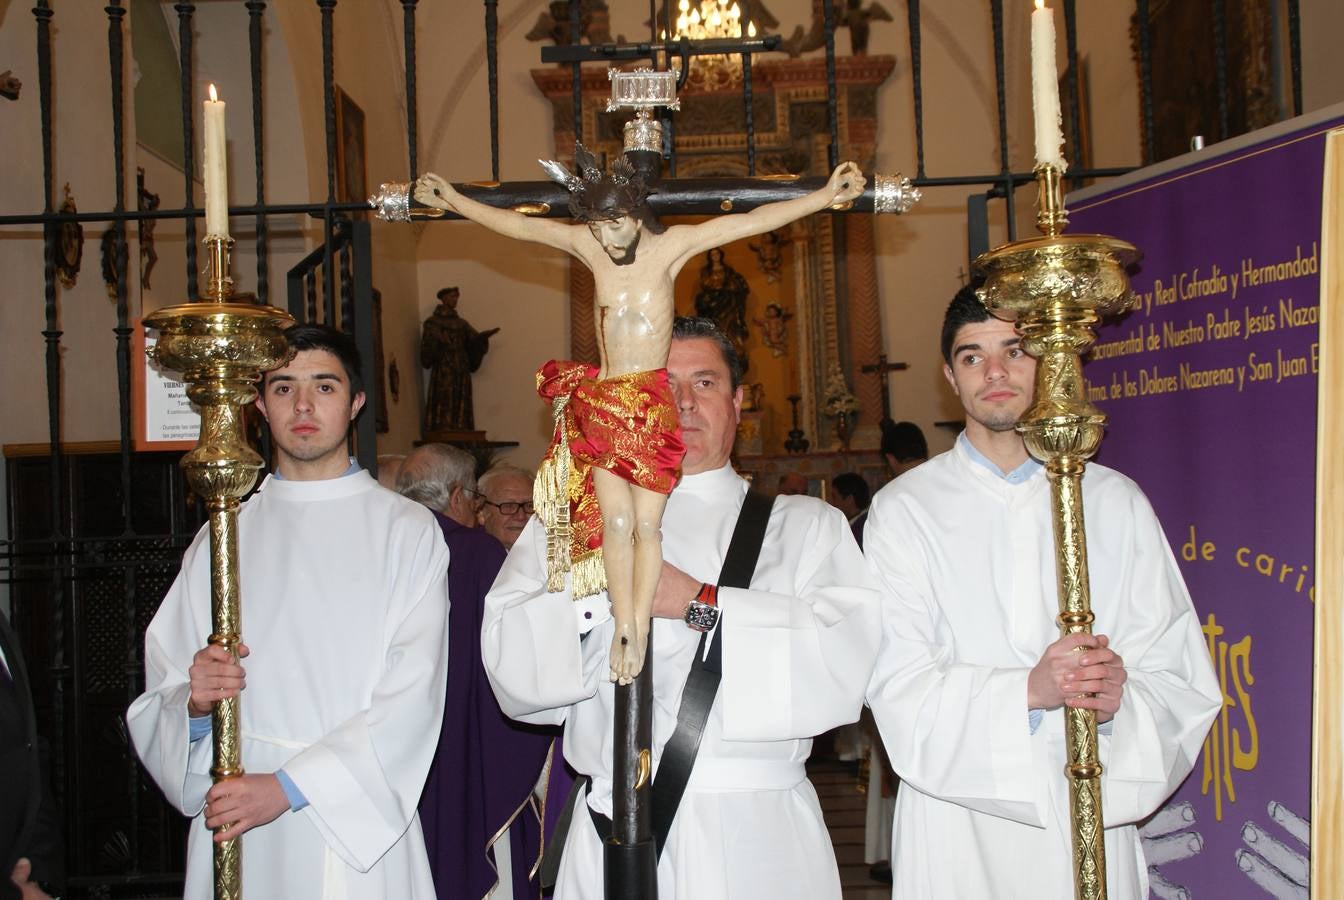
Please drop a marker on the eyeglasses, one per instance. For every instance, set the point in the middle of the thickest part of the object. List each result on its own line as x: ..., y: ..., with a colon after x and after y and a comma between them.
x: 508, y: 507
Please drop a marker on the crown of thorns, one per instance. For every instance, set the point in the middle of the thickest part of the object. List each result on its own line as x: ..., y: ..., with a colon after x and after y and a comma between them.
x: 595, y: 195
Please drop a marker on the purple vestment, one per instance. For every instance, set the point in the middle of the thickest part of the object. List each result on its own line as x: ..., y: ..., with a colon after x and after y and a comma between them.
x: 486, y: 764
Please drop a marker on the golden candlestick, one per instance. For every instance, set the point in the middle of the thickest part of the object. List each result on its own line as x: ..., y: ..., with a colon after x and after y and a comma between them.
x: 222, y: 344
x: 1057, y: 288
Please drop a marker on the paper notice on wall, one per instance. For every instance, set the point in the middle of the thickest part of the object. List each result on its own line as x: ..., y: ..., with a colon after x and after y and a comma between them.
x: 169, y: 416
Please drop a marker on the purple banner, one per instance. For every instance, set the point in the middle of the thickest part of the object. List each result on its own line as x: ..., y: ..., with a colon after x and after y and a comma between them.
x: 1210, y: 387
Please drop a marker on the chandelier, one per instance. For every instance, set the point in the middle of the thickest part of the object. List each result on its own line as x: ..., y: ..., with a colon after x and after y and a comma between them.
x: 710, y: 20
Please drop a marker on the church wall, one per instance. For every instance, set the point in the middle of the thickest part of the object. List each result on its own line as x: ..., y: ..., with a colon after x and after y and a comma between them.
x: 923, y: 256
x: 368, y: 66
x: 221, y: 51
x: 82, y: 120
x: 520, y: 288
x: 1322, y: 32
x: 1112, y: 89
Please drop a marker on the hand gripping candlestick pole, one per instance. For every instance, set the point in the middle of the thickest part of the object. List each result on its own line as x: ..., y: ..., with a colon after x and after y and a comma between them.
x: 222, y: 344
x: 1056, y: 288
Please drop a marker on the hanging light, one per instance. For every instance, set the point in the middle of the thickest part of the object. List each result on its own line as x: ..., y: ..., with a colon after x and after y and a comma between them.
x: 705, y: 20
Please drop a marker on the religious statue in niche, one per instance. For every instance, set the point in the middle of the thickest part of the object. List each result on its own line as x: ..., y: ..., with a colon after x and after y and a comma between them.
x: 722, y: 297
x: 753, y: 396
x: 69, y: 243
x: 557, y: 26
x: 769, y: 254
x: 10, y: 85
x: 107, y: 247
x: 589, y: 496
x: 451, y: 349
x: 774, y: 329
x: 857, y: 19
x: 146, y: 200
x: 855, y: 16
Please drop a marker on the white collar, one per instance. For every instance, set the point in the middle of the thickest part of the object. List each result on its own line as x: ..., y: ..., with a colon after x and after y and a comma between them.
x: 712, y: 483
x: 325, y: 489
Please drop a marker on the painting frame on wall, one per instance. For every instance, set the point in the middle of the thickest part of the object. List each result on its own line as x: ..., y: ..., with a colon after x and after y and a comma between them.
x: 1185, y: 96
x: 351, y: 178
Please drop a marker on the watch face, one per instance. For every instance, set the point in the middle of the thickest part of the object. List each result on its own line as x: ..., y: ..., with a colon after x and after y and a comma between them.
x: 701, y: 616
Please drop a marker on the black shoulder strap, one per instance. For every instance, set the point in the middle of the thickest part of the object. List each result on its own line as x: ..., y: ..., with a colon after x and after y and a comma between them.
x: 702, y: 684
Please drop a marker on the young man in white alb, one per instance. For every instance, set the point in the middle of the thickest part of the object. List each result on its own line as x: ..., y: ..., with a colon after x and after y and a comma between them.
x: 342, y: 666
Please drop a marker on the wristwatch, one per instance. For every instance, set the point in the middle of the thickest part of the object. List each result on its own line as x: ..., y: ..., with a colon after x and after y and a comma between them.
x: 702, y: 613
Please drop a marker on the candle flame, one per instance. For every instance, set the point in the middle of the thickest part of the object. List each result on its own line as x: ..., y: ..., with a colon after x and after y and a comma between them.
x: 751, y: 29
x: 1040, y: 4
x: 214, y: 97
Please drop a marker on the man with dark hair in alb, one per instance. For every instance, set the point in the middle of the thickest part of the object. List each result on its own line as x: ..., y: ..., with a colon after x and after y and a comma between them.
x: 972, y: 675
x: 903, y: 446
x: 792, y: 638
x: 850, y: 494
x: 344, y: 611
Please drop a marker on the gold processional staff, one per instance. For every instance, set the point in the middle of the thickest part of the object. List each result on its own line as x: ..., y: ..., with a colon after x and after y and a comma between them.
x: 221, y: 344
x: 1056, y: 288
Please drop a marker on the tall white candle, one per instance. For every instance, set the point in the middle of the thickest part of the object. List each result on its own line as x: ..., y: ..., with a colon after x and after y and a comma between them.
x: 216, y: 177
x: 1045, y: 88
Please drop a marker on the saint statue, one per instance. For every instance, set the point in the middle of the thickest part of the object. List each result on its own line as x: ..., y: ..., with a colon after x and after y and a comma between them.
x: 617, y: 447
x: 722, y: 298
x: 774, y: 329
x: 451, y: 349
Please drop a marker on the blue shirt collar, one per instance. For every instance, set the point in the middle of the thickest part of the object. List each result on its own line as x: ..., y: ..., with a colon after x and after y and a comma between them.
x: 1017, y: 476
x: 353, y: 469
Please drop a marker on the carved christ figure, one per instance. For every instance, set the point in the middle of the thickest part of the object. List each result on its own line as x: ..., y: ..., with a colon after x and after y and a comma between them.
x: 616, y: 424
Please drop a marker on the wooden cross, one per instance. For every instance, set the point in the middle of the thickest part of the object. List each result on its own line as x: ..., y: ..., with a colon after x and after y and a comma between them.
x: 882, y: 369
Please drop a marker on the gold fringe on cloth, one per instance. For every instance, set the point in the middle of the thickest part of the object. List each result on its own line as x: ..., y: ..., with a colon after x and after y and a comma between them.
x: 587, y: 575
x: 559, y: 484
x: 550, y: 497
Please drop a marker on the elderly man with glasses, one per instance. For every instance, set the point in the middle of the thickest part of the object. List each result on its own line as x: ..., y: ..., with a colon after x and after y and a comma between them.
x: 481, y: 823
x: 505, y: 494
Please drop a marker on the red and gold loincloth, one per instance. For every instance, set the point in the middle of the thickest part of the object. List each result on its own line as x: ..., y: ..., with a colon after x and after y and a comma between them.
x: 626, y: 424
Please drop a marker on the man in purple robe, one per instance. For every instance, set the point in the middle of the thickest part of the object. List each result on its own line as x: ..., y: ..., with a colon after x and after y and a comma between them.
x: 480, y: 820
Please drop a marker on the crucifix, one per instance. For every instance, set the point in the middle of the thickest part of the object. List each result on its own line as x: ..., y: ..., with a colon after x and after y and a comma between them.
x: 606, y: 241
x: 882, y: 369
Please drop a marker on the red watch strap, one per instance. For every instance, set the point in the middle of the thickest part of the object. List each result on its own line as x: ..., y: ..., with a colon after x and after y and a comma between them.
x: 709, y: 594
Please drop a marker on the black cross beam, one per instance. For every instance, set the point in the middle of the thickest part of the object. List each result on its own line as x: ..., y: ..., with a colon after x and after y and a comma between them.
x: 681, y: 196
x: 681, y: 48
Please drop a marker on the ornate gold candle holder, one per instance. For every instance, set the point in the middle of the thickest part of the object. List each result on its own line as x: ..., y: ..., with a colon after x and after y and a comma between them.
x: 222, y: 344
x: 1056, y: 288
